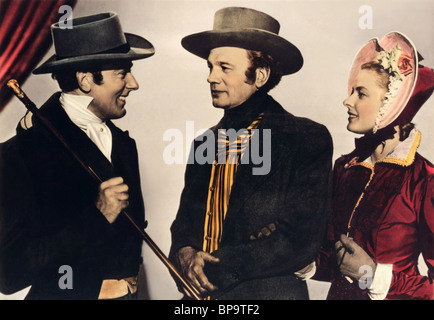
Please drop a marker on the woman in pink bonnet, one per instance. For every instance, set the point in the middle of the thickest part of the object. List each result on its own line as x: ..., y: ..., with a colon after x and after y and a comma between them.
x: 382, y: 215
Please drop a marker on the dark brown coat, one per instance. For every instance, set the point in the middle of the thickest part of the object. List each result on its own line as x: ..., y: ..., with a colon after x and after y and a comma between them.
x: 48, y: 216
x: 295, y: 193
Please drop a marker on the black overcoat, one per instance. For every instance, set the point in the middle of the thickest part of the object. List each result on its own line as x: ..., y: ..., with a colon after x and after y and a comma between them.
x: 295, y: 193
x: 48, y: 217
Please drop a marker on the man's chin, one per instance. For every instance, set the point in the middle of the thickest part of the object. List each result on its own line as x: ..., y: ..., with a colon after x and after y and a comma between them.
x: 221, y: 105
x: 119, y: 115
x: 218, y: 105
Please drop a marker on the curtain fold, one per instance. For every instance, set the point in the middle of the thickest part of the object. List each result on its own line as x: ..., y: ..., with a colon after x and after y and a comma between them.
x: 25, y: 38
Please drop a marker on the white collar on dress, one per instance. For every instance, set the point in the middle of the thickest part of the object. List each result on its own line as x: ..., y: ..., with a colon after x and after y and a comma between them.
x: 404, y: 153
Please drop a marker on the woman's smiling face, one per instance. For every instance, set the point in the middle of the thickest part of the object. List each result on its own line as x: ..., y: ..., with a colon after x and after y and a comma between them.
x: 364, y: 102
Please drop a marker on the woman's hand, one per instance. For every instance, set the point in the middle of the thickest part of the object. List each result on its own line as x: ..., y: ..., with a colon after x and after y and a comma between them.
x: 352, y: 259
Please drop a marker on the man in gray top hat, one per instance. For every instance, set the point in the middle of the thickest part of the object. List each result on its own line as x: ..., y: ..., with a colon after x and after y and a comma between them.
x: 60, y: 232
x: 244, y: 229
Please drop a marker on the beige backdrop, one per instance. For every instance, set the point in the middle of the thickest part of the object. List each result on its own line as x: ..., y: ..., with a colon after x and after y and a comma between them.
x: 173, y: 88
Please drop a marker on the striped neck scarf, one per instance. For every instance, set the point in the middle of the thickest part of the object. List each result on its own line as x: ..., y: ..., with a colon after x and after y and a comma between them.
x: 223, y: 174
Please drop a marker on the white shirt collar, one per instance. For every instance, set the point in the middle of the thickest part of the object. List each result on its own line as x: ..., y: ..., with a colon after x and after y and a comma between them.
x: 76, y: 107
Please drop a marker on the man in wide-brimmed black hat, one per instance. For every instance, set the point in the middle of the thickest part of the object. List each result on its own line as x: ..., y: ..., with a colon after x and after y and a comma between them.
x: 247, y: 230
x: 61, y: 233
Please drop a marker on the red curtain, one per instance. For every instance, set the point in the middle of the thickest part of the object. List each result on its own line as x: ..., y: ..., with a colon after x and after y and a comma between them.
x: 25, y: 38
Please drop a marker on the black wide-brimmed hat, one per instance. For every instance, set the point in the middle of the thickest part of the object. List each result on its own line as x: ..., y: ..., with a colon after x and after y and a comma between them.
x: 248, y: 29
x: 95, y: 39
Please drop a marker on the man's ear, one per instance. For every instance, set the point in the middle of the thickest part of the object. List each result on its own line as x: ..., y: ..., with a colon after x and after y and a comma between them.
x: 84, y: 80
x: 262, y: 75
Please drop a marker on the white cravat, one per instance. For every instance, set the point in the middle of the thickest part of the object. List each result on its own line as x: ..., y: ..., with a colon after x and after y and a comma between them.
x: 97, y: 130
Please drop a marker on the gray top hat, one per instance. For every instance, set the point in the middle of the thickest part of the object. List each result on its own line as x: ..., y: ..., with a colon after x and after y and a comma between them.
x: 248, y: 29
x: 93, y: 40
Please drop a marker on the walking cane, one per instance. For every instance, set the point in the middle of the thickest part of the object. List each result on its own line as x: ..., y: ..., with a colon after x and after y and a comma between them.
x: 19, y: 93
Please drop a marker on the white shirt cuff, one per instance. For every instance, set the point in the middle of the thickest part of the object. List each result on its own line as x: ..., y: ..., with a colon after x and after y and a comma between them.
x: 307, y: 275
x: 381, y: 283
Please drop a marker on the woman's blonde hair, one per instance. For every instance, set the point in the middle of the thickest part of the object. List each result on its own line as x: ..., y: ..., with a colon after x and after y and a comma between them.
x: 379, y: 71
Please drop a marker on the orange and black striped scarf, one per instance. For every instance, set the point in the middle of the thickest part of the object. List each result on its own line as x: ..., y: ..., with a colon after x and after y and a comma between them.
x: 221, y: 181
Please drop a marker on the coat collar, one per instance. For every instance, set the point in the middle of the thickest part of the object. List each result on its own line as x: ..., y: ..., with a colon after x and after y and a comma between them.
x: 274, y: 115
x: 405, y: 152
x: 77, y: 139
x: 282, y: 126
x: 403, y: 155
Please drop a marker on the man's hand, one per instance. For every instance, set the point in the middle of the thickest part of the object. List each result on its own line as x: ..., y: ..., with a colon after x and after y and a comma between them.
x: 192, y: 263
x: 265, y: 231
x: 112, y: 198
x: 351, y: 257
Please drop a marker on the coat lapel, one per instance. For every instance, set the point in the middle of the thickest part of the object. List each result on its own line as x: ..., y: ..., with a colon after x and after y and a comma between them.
x: 122, y: 156
x: 246, y: 182
x: 77, y: 139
